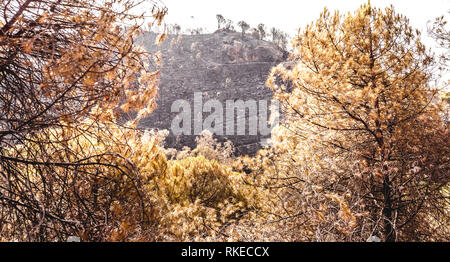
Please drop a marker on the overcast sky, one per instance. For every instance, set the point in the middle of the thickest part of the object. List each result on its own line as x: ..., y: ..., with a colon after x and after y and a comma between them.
x: 289, y: 15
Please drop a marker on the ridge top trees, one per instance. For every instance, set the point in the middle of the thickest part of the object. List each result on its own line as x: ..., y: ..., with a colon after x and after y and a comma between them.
x: 244, y: 27
x: 220, y: 20
x: 262, y: 31
x: 228, y: 25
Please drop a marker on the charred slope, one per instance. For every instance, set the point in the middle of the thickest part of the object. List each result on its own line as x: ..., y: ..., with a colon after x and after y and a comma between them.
x: 224, y: 66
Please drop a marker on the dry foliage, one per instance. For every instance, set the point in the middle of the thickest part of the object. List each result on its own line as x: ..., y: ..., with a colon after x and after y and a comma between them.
x: 363, y: 148
x: 65, y: 67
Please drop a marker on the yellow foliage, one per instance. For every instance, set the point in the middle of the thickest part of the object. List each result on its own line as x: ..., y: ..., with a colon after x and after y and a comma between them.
x: 359, y: 113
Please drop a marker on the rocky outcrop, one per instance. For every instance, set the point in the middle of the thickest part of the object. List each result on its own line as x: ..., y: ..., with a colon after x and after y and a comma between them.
x: 223, y: 66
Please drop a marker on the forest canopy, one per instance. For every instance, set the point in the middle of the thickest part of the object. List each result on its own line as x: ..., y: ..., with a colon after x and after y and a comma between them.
x: 362, y: 150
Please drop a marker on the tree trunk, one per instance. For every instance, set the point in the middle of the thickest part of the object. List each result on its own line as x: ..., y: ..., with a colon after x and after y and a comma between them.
x: 387, y: 211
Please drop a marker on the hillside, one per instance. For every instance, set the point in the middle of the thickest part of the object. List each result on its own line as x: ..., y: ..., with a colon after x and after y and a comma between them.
x: 223, y: 66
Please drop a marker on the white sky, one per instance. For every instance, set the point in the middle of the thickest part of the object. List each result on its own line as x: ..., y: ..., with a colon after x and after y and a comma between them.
x: 289, y: 15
